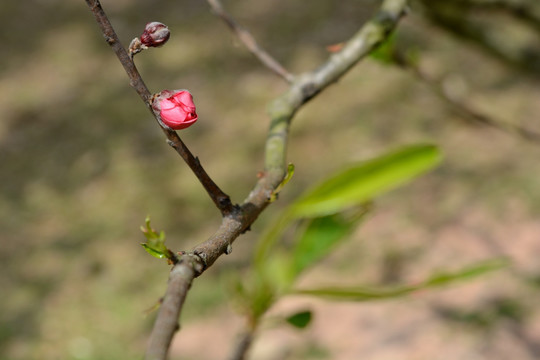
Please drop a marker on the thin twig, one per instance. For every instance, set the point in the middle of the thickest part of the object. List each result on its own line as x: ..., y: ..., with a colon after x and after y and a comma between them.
x: 242, y: 347
x: 463, y: 110
x: 519, y: 10
x: 452, y: 16
x: 220, y: 199
x: 249, y: 41
x: 282, y: 111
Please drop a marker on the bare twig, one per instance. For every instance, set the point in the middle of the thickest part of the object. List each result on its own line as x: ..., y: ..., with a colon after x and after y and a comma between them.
x: 520, y: 10
x: 453, y: 17
x: 220, y: 199
x: 462, y: 109
x: 249, y: 41
x: 282, y: 111
x: 241, y: 349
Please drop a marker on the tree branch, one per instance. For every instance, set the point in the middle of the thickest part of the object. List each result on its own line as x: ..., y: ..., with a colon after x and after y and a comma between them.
x: 282, y: 111
x: 243, y: 345
x: 460, y: 108
x: 220, y: 199
x: 249, y: 41
x: 166, y: 325
x: 453, y: 17
x: 520, y: 10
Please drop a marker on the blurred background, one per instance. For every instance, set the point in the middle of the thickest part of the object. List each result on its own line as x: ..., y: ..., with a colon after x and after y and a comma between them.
x: 83, y: 164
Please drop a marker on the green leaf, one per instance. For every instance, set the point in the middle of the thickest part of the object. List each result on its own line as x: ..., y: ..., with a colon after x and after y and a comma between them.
x: 290, y: 173
x: 155, y: 242
x: 322, y: 235
x: 349, y: 188
x: 356, y: 293
x: 301, y: 319
x: 384, y: 53
x: 269, y: 238
x: 255, y: 295
x: 437, y: 280
x: 279, y: 266
x: 412, y: 57
x: 363, y: 181
x: 276, y: 271
x: 468, y: 272
x: 154, y: 252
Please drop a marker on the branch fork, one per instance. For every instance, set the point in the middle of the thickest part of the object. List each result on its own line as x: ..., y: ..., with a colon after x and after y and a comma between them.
x: 238, y: 219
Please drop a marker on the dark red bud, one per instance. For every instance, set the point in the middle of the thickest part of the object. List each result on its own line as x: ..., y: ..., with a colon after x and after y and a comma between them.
x: 155, y: 34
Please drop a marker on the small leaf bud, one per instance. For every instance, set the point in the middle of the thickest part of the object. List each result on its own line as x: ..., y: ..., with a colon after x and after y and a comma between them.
x: 155, y: 34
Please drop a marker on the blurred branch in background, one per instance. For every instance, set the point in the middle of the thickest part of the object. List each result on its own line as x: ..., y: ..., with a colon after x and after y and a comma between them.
x: 243, y: 345
x: 522, y: 10
x: 458, y: 105
x: 249, y: 41
x: 464, y: 19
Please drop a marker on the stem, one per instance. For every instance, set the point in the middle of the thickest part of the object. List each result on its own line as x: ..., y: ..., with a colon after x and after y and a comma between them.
x: 220, y: 199
x: 249, y: 41
x: 166, y: 325
x: 243, y: 345
x: 460, y: 108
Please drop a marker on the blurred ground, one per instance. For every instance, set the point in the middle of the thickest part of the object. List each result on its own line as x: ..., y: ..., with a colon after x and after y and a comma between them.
x: 83, y: 164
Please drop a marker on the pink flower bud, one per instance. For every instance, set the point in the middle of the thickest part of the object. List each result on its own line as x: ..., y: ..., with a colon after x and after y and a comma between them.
x: 176, y: 108
x: 155, y: 34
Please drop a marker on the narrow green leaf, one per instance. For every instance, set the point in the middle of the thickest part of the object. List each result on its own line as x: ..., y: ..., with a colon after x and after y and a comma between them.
x: 357, y: 293
x: 412, y: 57
x: 269, y: 238
x: 155, y: 242
x: 322, y: 235
x: 384, y: 53
x: 154, y: 252
x: 372, y: 293
x: 290, y: 173
x: 276, y: 271
x: 366, y: 180
x: 468, y: 272
x: 301, y: 319
x: 352, y: 187
x: 256, y: 295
